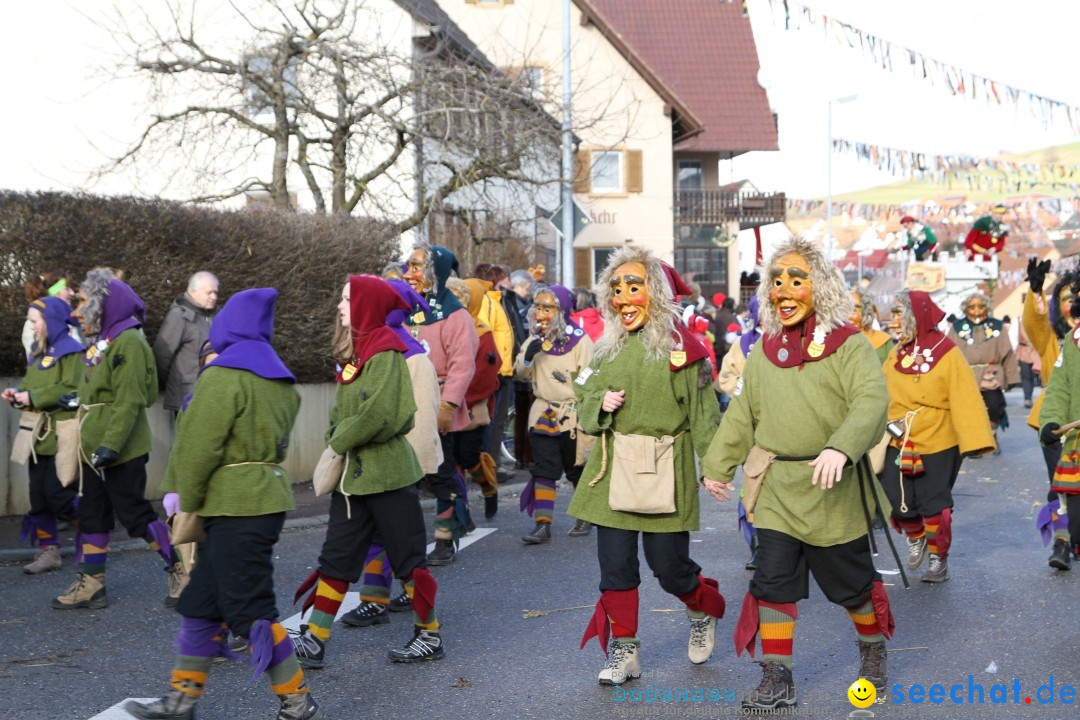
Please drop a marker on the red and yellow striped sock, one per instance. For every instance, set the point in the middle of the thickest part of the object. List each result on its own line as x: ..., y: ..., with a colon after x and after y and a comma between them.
x: 932, y: 523
x: 776, y: 624
x: 866, y: 624
x: 328, y: 596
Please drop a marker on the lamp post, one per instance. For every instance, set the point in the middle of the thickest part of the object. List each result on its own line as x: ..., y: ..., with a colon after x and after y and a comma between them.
x: 566, y: 244
x: 828, y: 204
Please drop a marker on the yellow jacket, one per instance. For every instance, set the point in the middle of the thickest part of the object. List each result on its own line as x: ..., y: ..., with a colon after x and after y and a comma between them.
x: 950, y: 408
x: 493, y: 314
x: 1036, y: 323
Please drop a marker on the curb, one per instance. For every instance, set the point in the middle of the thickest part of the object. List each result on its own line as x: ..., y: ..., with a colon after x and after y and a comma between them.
x: 26, y: 554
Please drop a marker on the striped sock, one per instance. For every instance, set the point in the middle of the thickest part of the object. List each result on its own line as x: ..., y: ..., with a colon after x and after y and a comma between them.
x: 432, y: 623
x: 95, y: 553
x: 866, y: 624
x: 776, y: 623
x: 544, y: 509
x: 932, y: 523
x: 197, y: 644
x: 328, y: 596
x: 286, y: 677
x: 444, y: 516
x: 189, y: 675
x: 378, y: 577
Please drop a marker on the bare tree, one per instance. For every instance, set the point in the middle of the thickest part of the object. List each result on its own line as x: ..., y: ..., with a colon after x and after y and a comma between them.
x: 336, y: 96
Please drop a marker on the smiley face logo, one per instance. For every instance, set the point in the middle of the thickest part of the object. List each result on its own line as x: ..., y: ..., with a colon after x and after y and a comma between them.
x: 862, y: 693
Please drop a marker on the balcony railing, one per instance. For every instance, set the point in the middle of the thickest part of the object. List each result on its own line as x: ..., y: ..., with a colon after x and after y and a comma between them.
x: 716, y: 206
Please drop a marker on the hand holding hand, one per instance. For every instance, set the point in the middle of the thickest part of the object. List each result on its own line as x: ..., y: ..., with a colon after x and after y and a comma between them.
x: 720, y: 491
x: 613, y: 400
x: 828, y: 467
x: 8, y: 395
x: 23, y: 398
x: 171, y: 501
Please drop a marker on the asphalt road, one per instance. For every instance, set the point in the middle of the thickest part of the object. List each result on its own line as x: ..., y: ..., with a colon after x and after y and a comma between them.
x: 1003, y: 610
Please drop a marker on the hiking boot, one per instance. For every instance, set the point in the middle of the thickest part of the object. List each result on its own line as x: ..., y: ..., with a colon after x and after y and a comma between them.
x: 401, y: 603
x: 178, y: 580
x: 938, y: 571
x: 367, y: 614
x: 916, y: 552
x: 310, y: 650
x: 540, y: 534
x: 425, y: 645
x: 1059, y: 559
x: 173, y: 705
x: 85, y: 592
x: 776, y: 689
x: 46, y: 559
x: 299, y: 706
x: 702, y: 639
x: 873, y: 663
x: 443, y: 554
x: 582, y: 528
x: 491, y: 505
x: 623, y: 663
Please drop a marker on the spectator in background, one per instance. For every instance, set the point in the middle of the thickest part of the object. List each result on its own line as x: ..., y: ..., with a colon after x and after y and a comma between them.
x: 51, y: 284
x: 725, y: 316
x: 499, y: 277
x: 1030, y: 365
x: 588, y: 318
x: 185, y: 328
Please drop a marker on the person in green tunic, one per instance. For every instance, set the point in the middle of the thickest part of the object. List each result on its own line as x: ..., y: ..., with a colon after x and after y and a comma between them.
x: 226, y: 466
x: 647, y: 396
x: 118, y: 383
x: 53, y: 370
x: 809, y: 406
x: 373, y: 410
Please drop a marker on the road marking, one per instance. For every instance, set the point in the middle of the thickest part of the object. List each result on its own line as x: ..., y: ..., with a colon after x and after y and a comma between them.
x: 116, y: 712
x: 352, y: 599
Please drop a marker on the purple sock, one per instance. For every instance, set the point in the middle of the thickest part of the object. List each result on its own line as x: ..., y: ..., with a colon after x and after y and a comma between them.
x: 202, y: 638
x: 39, y: 528
x: 157, y: 534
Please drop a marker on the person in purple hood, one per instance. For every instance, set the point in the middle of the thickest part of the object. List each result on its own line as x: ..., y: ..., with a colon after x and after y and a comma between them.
x: 226, y: 466
x: 118, y: 383
x: 53, y: 369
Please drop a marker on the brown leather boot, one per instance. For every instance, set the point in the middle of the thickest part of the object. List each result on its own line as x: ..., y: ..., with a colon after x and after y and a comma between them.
x: 874, y: 664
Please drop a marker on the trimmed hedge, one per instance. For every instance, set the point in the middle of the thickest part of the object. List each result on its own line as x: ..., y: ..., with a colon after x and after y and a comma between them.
x: 159, y: 244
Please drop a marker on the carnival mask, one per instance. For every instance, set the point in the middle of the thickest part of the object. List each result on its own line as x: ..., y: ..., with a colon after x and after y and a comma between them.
x: 903, y: 335
x: 976, y: 311
x: 792, y: 290
x: 1065, y: 304
x: 547, y: 310
x: 414, y: 271
x: 630, y: 296
x: 856, y: 315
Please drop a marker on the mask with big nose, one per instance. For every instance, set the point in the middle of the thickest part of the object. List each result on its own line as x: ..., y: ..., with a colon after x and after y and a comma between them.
x: 414, y: 271
x: 792, y: 290
x: 630, y: 296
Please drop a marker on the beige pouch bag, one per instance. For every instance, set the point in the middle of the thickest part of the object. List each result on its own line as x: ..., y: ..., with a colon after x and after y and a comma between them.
x: 877, y: 454
x: 22, y: 449
x: 754, y: 469
x: 329, y: 472
x: 67, y: 451
x: 186, y: 528
x: 643, y: 474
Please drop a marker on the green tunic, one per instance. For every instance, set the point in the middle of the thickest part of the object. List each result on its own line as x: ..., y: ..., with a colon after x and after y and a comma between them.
x: 368, y: 423
x: 1062, y: 406
x: 883, y: 351
x: 126, y: 382
x: 229, y: 448
x: 45, y: 388
x: 837, y: 402
x: 658, y: 402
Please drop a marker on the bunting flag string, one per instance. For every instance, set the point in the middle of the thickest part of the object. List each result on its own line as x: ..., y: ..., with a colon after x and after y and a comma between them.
x: 957, y: 209
x: 911, y: 162
x: 957, y: 81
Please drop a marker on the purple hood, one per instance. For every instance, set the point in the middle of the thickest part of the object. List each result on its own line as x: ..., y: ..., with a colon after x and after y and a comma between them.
x: 121, y: 310
x: 396, y: 318
x: 242, y: 332
x: 58, y: 323
x: 750, y: 336
x: 567, y: 304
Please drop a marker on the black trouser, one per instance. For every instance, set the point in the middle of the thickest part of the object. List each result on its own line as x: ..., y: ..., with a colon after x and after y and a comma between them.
x: 468, y: 444
x: 845, y: 573
x: 555, y: 454
x: 995, y: 405
x: 122, y: 492
x: 1051, y: 455
x: 442, y: 481
x: 497, y: 428
x: 397, y: 518
x: 668, y: 556
x: 233, y: 581
x: 924, y: 495
x: 1027, y: 379
x: 46, y: 492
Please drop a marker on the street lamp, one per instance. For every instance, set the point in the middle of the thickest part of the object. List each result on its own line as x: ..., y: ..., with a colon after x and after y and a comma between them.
x: 828, y: 204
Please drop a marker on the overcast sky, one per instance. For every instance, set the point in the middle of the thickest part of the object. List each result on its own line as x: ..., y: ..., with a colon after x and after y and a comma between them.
x: 1030, y: 45
x: 56, y: 108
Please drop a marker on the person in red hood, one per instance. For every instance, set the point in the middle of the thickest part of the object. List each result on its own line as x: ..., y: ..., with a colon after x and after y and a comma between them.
x: 587, y: 317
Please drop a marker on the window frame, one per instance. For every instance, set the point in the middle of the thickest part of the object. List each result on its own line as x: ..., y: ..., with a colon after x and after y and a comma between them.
x: 620, y: 187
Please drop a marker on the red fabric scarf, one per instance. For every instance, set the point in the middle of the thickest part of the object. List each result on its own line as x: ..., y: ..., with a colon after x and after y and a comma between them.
x: 371, y: 299
x: 796, y: 340
x: 687, y: 342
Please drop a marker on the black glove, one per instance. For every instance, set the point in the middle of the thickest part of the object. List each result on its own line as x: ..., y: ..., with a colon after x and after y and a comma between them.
x: 1047, y: 436
x: 103, y: 456
x: 1036, y: 273
x: 69, y: 401
x: 533, y: 348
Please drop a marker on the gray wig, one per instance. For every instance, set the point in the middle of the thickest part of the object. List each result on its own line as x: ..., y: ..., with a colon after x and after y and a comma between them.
x: 96, y: 288
x: 658, y: 334
x: 429, y: 266
x: 866, y: 300
x: 832, y: 303
x: 907, y: 327
x: 976, y: 296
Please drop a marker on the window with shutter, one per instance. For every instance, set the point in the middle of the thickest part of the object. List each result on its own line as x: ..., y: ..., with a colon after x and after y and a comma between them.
x: 583, y: 276
x: 582, y: 171
x: 634, y: 172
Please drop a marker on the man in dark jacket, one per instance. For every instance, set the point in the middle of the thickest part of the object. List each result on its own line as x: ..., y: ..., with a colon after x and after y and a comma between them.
x: 185, y: 328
